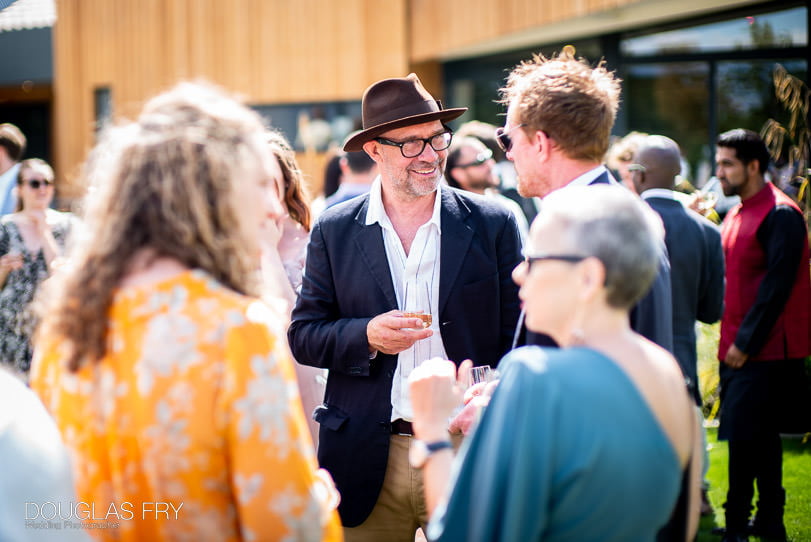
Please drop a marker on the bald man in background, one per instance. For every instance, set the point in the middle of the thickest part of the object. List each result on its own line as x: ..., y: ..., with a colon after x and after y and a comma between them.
x: 693, y: 246
x: 695, y: 254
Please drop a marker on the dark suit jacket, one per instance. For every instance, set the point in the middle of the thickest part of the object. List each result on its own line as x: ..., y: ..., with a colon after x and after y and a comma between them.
x: 651, y: 317
x: 347, y: 282
x: 696, y: 275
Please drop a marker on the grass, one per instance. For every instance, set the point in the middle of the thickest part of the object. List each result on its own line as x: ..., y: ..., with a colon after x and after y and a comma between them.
x: 796, y: 481
x: 796, y: 455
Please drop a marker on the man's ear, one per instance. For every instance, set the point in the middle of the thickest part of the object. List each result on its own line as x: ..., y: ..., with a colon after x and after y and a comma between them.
x: 753, y: 167
x: 372, y: 148
x: 638, y: 178
x: 542, y: 143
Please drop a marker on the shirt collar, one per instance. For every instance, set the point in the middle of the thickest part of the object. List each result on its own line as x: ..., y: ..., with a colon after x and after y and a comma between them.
x: 659, y: 193
x: 377, y: 213
x: 586, y: 178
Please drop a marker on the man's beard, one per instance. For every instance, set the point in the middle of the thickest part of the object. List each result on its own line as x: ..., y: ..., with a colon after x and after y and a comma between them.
x: 730, y: 189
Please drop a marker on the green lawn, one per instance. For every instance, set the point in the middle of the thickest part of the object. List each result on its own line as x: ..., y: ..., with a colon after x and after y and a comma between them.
x: 796, y: 456
x: 796, y: 480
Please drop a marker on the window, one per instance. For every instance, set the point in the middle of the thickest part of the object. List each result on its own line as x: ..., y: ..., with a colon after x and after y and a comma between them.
x: 313, y: 126
x: 671, y: 99
x: 693, y: 83
x: 103, y: 107
x: 780, y: 29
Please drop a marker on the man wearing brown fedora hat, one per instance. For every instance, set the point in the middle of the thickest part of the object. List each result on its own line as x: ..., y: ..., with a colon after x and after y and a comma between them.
x: 409, y: 271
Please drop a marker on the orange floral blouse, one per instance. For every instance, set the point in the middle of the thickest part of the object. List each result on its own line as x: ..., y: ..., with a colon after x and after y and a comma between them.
x: 190, y: 428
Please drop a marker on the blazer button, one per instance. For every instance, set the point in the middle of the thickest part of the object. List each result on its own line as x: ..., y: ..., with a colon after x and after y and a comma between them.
x: 390, y: 374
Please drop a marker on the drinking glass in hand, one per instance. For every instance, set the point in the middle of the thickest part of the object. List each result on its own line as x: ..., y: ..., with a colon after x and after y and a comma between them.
x: 480, y: 374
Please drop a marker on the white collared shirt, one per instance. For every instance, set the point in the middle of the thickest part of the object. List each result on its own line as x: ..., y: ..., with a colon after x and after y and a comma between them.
x: 658, y: 193
x: 665, y: 193
x: 416, y: 284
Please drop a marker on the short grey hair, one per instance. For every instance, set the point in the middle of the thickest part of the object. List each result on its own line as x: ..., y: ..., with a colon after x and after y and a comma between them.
x: 616, y: 227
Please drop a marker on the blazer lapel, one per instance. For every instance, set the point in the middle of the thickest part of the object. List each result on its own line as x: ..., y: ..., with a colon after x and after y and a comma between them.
x: 369, y: 241
x: 456, y: 238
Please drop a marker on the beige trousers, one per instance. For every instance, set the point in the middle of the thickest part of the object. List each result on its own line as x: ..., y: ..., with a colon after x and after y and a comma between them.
x: 400, y: 508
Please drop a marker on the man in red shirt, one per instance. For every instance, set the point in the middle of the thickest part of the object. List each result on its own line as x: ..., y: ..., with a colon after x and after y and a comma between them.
x: 765, y: 330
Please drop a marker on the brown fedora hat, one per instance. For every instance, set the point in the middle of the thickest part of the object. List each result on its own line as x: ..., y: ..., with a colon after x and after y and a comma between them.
x: 396, y: 102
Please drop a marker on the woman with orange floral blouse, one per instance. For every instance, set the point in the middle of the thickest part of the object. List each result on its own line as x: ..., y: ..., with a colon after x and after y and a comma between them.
x: 171, y: 384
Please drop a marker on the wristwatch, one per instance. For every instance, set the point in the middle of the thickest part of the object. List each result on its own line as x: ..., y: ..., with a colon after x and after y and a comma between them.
x: 420, y: 451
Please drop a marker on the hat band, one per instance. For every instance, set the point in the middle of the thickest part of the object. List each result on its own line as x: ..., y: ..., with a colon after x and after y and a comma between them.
x: 406, y: 111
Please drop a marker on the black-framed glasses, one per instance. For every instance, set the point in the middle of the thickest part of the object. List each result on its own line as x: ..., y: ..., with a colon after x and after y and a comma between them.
x: 36, y: 183
x: 414, y: 147
x: 503, y: 137
x: 571, y: 258
x: 481, y: 158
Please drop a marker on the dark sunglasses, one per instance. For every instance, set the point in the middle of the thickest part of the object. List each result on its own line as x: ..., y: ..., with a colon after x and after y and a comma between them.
x: 481, y: 158
x: 36, y: 183
x: 503, y: 138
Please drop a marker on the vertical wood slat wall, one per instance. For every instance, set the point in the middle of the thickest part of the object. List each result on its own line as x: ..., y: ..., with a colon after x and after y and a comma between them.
x: 268, y: 51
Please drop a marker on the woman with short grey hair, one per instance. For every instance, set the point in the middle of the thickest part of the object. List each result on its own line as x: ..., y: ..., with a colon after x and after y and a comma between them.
x: 592, y: 441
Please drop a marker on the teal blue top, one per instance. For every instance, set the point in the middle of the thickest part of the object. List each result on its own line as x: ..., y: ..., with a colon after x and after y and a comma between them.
x: 567, y: 450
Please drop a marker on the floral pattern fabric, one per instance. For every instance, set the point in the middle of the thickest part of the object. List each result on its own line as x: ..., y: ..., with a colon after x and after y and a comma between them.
x: 16, y: 320
x: 193, y: 412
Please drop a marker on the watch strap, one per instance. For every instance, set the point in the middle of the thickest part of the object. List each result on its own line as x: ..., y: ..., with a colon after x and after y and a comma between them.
x: 437, y: 446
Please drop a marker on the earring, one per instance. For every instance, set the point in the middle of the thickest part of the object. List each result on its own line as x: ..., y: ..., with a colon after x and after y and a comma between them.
x: 578, y: 336
x: 580, y: 311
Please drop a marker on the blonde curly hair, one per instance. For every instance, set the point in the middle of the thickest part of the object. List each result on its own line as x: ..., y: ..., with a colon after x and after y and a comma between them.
x: 169, y: 183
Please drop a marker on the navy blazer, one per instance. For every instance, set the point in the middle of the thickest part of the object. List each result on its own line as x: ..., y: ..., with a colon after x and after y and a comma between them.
x: 651, y: 317
x: 347, y: 282
x: 697, y: 278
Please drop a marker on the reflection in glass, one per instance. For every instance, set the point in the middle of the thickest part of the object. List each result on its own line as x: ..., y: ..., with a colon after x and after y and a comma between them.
x: 746, y: 97
x: 788, y: 28
x: 673, y: 100
x: 313, y: 125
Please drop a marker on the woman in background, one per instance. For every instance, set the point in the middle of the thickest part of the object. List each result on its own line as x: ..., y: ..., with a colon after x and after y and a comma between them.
x: 289, y: 237
x: 170, y: 382
x: 292, y: 229
x: 621, y: 155
x: 32, y: 241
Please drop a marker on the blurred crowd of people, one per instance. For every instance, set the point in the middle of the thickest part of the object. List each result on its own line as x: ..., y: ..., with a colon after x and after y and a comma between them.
x: 206, y: 340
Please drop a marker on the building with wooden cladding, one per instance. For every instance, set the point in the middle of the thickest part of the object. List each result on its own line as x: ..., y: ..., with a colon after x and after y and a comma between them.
x: 299, y: 59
